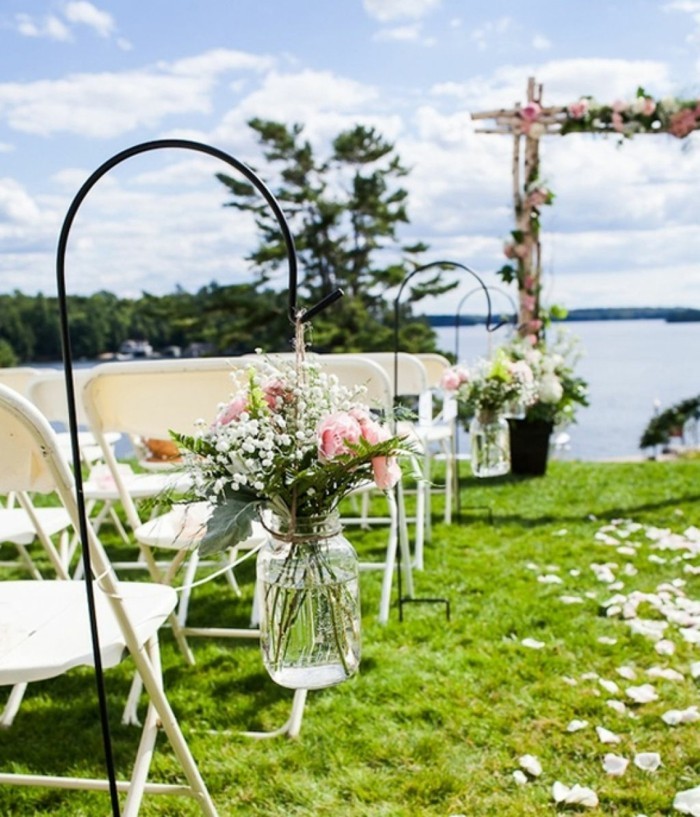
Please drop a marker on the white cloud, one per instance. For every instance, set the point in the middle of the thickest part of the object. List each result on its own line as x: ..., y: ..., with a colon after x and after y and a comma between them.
x: 109, y: 104
x: 82, y: 12
x: 385, y: 10
x: 491, y: 31
x: 541, y: 43
x: 563, y: 80
x: 16, y: 205
x: 409, y: 33
x: 49, y: 27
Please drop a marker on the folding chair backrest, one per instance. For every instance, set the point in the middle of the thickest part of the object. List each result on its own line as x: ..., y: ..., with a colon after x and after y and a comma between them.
x: 47, y: 390
x: 435, y: 365
x: 32, y: 460
x: 149, y: 399
x: 412, y: 376
x: 18, y: 377
x: 357, y: 370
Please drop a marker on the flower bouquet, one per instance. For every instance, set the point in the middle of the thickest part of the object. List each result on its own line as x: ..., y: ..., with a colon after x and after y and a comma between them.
x: 287, y: 448
x: 489, y: 392
x: 557, y: 393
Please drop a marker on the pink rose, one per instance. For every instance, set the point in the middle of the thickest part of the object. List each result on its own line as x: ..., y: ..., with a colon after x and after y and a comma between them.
x: 538, y: 197
x: 453, y: 378
x: 370, y: 430
x: 272, y: 390
x: 335, y: 433
x: 386, y: 472
x: 232, y: 411
x: 530, y: 112
x: 577, y: 110
x: 528, y: 302
x: 682, y: 123
x: 617, y: 122
x: 529, y: 282
x: 509, y: 249
x: 619, y: 106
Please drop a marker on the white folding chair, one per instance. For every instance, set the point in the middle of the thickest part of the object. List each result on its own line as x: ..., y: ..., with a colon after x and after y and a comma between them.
x: 44, y: 625
x: 439, y: 432
x: 356, y: 370
x: 149, y: 399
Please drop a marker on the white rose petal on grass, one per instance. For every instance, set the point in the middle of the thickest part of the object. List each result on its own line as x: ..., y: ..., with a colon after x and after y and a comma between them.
x: 589, y: 676
x: 666, y: 673
x: 606, y: 736
x: 576, y: 795
x: 627, y: 673
x: 642, y: 694
x: 690, y: 634
x: 609, y: 686
x: 695, y: 669
x: 531, y: 765
x: 520, y: 777
x: 618, y: 706
x: 571, y: 599
x: 606, y: 639
x: 688, y: 802
x: 572, y: 682
x: 532, y: 643
x: 665, y: 647
x: 576, y: 725
x: 675, y: 717
x: 615, y: 765
x: 647, y: 761
x: 550, y: 578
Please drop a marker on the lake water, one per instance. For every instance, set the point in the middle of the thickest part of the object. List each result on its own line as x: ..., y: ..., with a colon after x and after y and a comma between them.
x: 629, y: 366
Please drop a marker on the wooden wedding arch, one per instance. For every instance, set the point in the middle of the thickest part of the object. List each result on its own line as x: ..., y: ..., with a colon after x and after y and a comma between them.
x: 527, y: 124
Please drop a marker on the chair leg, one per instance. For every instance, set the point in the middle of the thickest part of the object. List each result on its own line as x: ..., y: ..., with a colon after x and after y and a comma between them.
x: 12, y: 705
x: 148, y: 667
x: 292, y: 726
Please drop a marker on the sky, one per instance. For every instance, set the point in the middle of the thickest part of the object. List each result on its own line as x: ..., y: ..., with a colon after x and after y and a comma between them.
x: 81, y: 81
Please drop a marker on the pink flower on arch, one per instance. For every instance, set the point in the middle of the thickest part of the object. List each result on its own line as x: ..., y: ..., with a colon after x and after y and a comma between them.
x: 530, y: 112
x: 578, y: 110
x: 617, y: 122
x: 682, y: 123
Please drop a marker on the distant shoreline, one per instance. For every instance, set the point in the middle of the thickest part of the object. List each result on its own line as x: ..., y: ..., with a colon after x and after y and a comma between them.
x: 668, y: 314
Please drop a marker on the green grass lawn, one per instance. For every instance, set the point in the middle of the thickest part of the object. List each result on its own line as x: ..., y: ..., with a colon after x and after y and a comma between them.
x: 441, y: 712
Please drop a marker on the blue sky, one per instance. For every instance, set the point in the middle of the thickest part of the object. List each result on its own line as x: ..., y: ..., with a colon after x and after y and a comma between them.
x: 82, y: 80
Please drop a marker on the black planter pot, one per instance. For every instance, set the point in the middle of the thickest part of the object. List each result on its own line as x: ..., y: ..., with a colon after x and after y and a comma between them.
x: 529, y: 446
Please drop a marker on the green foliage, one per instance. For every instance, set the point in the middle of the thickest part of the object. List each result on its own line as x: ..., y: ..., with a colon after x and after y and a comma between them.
x: 670, y: 422
x: 344, y: 211
x: 441, y: 712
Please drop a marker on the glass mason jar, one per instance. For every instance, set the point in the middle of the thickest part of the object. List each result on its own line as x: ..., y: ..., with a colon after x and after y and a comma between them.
x: 490, y: 444
x: 310, y: 603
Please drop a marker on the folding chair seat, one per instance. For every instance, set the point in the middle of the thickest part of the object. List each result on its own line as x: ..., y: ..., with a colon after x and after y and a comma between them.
x: 45, y: 624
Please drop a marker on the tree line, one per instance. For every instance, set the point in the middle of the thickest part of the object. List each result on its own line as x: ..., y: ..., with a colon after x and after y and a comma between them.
x: 344, y: 210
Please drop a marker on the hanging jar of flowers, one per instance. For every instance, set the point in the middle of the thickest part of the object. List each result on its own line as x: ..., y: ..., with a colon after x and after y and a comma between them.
x: 287, y: 448
x: 491, y: 391
x: 310, y: 622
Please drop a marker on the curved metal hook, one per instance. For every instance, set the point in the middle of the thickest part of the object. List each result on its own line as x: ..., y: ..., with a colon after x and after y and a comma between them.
x: 466, y: 297
x: 68, y: 369
x: 423, y: 268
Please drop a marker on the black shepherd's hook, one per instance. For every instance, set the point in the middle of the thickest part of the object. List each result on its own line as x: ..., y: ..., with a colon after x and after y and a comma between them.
x: 293, y: 313
x: 490, y: 327
x: 465, y: 298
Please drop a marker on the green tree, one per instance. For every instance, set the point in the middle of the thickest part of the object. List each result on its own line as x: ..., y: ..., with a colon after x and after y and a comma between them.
x: 344, y: 212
